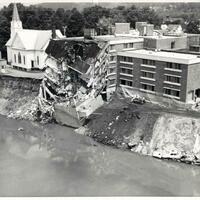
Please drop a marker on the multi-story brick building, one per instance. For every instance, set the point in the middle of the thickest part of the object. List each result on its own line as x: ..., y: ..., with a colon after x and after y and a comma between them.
x: 160, y: 74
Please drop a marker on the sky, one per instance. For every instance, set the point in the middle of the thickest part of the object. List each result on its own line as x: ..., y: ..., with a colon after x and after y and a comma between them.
x: 28, y: 2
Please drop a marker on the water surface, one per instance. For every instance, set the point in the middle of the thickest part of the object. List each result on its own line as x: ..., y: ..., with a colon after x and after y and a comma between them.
x: 52, y: 160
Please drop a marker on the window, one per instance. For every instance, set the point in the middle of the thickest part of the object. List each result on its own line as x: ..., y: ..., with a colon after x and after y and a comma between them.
x: 131, y: 45
x: 151, y: 62
x: 148, y: 87
x: 19, y: 58
x: 38, y: 61
x: 177, y: 66
x: 144, y: 61
x: 111, y: 82
x: 173, y: 65
x: 148, y: 62
x: 126, y: 82
x: 173, y: 45
x: 148, y: 74
x: 126, y: 71
x: 111, y: 70
x: 112, y: 58
x: 111, y: 47
x: 15, y: 58
x: 127, y: 59
x: 171, y: 92
x: 130, y: 59
x: 24, y: 60
x: 125, y: 46
x: 173, y: 79
x: 169, y: 65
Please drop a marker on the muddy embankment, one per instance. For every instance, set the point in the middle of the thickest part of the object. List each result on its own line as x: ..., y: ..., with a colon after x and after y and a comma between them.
x: 147, y: 129
x: 18, y: 97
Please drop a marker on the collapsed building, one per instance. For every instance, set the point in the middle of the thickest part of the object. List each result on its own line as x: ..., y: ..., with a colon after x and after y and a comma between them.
x: 79, y: 75
x: 75, y: 79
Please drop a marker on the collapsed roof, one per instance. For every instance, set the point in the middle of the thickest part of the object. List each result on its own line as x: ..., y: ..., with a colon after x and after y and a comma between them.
x: 77, y: 54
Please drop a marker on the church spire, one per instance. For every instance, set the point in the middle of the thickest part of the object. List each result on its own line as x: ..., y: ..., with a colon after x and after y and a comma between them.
x: 16, y: 23
x: 15, y: 16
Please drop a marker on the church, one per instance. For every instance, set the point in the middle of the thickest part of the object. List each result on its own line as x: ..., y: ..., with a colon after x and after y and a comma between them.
x: 26, y: 47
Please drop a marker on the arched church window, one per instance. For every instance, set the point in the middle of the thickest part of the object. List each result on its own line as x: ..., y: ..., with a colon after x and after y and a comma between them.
x: 19, y: 58
x: 38, y: 61
x: 15, y: 58
x: 24, y: 60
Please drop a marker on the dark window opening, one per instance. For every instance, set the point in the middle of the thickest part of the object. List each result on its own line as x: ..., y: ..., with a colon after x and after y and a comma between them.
x: 19, y: 58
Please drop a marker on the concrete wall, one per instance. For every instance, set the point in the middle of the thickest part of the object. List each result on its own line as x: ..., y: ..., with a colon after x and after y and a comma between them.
x: 193, y: 78
x: 122, y: 28
x: 29, y: 56
x: 165, y: 43
x: 193, y: 40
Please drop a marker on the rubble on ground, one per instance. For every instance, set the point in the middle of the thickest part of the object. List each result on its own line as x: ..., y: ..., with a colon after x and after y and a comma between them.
x: 142, y: 129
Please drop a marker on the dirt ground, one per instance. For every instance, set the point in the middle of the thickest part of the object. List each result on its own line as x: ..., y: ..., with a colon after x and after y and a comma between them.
x: 120, y: 122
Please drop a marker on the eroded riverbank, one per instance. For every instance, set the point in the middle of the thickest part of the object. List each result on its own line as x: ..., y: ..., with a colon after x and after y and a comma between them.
x: 51, y: 160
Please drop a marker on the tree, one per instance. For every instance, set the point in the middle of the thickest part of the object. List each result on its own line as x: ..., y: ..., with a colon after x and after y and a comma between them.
x: 117, y: 15
x: 4, y: 34
x: 193, y: 27
x: 93, y: 14
x: 75, y: 24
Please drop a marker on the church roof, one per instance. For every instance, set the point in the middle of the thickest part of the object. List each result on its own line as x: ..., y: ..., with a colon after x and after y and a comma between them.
x: 15, y: 16
x: 29, y: 39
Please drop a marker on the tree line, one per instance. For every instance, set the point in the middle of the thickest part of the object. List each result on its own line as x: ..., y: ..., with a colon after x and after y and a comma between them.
x: 72, y: 22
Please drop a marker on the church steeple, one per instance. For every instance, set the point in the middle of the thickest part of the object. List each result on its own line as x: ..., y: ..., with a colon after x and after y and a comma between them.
x: 15, y: 16
x: 16, y: 23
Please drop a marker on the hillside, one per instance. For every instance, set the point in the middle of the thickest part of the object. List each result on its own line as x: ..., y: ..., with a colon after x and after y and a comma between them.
x: 149, y: 129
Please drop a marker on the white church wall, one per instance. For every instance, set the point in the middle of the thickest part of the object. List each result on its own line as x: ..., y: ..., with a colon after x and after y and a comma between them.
x: 9, y: 55
x: 41, y: 55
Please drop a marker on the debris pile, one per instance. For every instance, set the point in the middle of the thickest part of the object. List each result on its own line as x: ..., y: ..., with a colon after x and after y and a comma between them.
x: 18, y: 97
x: 75, y: 75
x: 147, y: 129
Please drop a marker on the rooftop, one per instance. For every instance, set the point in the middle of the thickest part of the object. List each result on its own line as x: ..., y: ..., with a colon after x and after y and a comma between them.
x: 113, y: 39
x: 162, y: 56
x: 164, y: 37
x: 30, y: 39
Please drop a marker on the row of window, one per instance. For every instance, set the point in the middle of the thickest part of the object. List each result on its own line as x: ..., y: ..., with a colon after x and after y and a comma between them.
x: 126, y: 71
x: 126, y: 59
x: 148, y: 74
x: 125, y: 46
x: 171, y: 92
x: 168, y: 78
x: 173, y: 79
x: 126, y: 82
x: 148, y: 62
x: 18, y: 59
x: 173, y: 65
x: 151, y: 75
x: 148, y: 87
x: 151, y: 62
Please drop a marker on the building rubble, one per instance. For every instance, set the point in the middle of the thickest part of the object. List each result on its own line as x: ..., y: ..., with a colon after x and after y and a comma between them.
x: 75, y: 77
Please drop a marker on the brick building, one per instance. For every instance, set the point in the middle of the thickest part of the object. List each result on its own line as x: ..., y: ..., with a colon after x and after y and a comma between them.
x: 161, y: 74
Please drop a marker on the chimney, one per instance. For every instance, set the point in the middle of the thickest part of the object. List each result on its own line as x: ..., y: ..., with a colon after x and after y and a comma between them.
x: 53, y: 32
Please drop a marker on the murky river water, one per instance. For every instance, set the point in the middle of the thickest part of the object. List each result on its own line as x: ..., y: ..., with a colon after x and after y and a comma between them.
x: 51, y: 160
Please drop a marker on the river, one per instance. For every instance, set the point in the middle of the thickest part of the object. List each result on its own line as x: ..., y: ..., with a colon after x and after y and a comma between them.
x: 52, y: 160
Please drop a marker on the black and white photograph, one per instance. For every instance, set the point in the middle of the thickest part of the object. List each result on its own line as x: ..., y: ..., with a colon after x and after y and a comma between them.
x: 100, y: 98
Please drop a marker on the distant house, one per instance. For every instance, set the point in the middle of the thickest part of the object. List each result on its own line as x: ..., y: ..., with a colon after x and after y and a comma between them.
x: 26, y: 47
x: 173, y: 30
